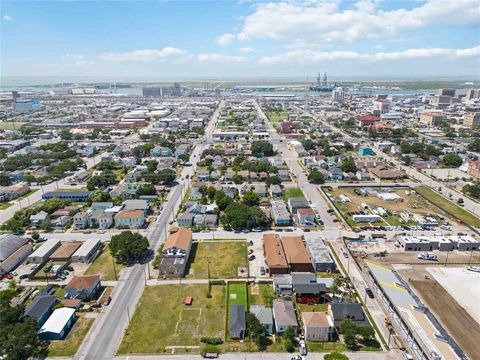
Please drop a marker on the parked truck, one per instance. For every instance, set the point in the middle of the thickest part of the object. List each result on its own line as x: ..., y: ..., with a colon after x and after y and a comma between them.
x: 427, y: 256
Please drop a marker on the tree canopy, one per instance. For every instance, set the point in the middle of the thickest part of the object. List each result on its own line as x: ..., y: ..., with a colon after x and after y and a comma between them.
x: 251, y: 198
x: 316, y: 177
x: 240, y: 216
x: 262, y: 147
x: 128, y: 247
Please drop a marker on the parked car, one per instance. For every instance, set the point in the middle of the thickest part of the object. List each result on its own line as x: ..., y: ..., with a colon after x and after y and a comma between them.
x: 369, y: 293
x: 251, y: 258
x: 262, y: 270
x: 107, y: 301
x: 303, y: 347
x: 250, y: 243
x: 250, y: 251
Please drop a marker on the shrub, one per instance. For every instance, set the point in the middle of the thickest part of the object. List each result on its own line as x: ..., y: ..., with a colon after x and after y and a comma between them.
x: 211, y: 340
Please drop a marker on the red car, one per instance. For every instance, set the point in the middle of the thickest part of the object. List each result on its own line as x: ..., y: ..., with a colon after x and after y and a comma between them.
x: 8, y: 276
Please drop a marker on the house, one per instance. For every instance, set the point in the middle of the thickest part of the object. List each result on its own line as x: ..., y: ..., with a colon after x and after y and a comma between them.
x: 306, y: 288
x: 209, y: 220
x: 58, y: 324
x: 295, y: 203
x: 83, y: 287
x: 74, y: 196
x: 284, y: 315
x: 244, y: 188
x: 185, y: 219
x: 265, y: 316
x: 305, y: 217
x: 283, y: 174
x: 203, y: 175
x: 80, y: 220
x: 101, y: 206
x: 282, y: 283
x: 260, y: 189
x: 41, y: 308
x: 317, y: 326
x: 161, y: 151
x: 362, y: 151
x: 296, y: 254
x: 176, y: 251
x: 136, y: 204
x: 276, y: 191
x: 237, y: 326
x: 87, y: 251
x: 280, y: 213
x: 99, y: 219
x: 13, y: 250
x: 352, y: 311
x: 274, y: 254
x: 336, y: 174
x: 132, y: 219
x: 39, y: 218
x: 367, y: 120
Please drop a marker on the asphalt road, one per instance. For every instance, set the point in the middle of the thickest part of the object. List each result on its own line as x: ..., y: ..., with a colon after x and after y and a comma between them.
x: 107, y: 331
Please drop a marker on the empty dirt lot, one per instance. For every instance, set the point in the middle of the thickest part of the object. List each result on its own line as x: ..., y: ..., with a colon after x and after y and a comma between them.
x: 454, y: 257
x: 459, y: 324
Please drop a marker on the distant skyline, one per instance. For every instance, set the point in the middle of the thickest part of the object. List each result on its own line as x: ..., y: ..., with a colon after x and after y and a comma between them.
x: 375, y: 39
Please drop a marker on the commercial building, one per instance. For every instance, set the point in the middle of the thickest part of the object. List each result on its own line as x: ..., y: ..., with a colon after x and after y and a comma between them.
x: 358, y: 218
x: 274, y: 254
x: 44, y: 251
x: 320, y: 255
x: 338, y: 94
x: 13, y: 250
x: 432, y: 118
x: 65, y: 251
x: 87, y: 251
x: 440, y: 243
x: 74, y: 196
x: 472, y: 120
x: 296, y: 254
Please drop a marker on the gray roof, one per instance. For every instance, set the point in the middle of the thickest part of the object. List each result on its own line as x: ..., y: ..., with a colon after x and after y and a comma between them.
x: 352, y: 311
x: 135, y: 205
x: 315, y: 288
x: 284, y: 313
x: 298, y: 202
x: 303, y: 278
x: 9, y: 244
x: 40, y: 305
x: 263, y: 314
x: 237, y: 319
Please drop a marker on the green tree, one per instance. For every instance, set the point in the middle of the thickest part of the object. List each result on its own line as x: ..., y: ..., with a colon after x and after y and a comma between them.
x: 167, y: 176
x: 334, y: 355
x: 452, y: 160
x: 101, y: 181
x: 256, y: 331
x: 146, y: 189
x: 273, y: 180
x: 316, y: 177
x: 222, y: 200
x: 262, y: 147
x: 5, y: 179
x: 289, y: 339
x: 65, y: 134
x: 211, y: 192
x: 348, y: 165
x: 237, y: 179
x: 99, y: 196
x: 250, y: 199
x: 128, y: 247
x: 35, y: 235
x: 152, y: 165
x: 472, y: 190
x: 309, y: 145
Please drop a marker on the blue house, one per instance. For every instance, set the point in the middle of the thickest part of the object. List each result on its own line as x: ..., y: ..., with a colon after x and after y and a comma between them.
x: 83, y: 287
x: 41, y: 308
x: 58, y: 324
x: 16, y: 176
x: 265, y: 316
x: 336, y: 174
x: 365, y: 151
x: 161, y: 151
x: 74, y: 196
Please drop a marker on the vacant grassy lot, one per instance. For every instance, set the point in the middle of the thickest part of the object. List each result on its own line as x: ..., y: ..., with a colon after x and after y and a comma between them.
x: 162, y: 320
x: 70, y: 345
x: 292, y: 192
x: 103, y: 266
x: 312, y: 308
x: 225, y: 258
x: 276, y: 116
x: 325, y: 346
x: 449, y: 206
x: 261, y: 294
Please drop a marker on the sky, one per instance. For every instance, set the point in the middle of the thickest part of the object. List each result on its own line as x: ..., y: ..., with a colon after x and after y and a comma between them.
x: 241, y: 39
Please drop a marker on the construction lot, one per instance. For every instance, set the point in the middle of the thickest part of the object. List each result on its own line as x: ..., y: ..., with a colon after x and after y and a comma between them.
x: 456, y: 320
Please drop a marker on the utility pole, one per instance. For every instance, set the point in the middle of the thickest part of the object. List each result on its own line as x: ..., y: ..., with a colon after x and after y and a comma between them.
x: 114, y: 269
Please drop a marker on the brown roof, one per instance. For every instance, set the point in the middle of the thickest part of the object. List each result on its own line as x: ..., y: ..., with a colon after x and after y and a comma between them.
x: 384, y: 173
x: 295, y: 250
x: 305, y: 212
x: 180, y: 239
x: 129, y: 214
x: 66, y: 250
x: 274, y: 254
x: 315, y: 319
x: 71, y: 303
x: 82, y: 282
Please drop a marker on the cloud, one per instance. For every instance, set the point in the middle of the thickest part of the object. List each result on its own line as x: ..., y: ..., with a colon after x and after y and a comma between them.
x: 143, y: 55
x: 72, y: 57
x: 246, y: 49
x: 225, y: 39
x: 309, y: 56
x: 7, y: 18
x: 324, y: 21
x: 212, y: 57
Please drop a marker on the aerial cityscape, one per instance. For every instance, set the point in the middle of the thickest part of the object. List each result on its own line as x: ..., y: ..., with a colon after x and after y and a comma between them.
x: 240, y: 180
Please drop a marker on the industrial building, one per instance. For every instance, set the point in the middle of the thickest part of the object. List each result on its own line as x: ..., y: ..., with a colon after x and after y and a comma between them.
x: 87, y: 251
x: 44, y: 251
x: 441, y: 243
x: 13, y: 250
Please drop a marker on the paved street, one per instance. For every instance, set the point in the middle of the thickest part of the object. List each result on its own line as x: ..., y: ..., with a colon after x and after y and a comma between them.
x: 107, y: 331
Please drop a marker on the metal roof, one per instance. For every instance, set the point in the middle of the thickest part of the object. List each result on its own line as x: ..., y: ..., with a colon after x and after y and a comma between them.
x: 9, y: 244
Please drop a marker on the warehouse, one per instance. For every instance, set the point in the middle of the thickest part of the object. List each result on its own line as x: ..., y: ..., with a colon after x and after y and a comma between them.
x: 366, y: 218
x: 43, y: 252
x: 13, y: 249
x: 274, y: 254
x: 65, y: 251
x: 320, y: 255
x: 441, y: 243
x: 87, y: 251
x: 296, y: 254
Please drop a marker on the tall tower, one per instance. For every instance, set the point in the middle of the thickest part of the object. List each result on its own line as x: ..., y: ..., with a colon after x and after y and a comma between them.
x: 324, y: 79
x: 318, y: 79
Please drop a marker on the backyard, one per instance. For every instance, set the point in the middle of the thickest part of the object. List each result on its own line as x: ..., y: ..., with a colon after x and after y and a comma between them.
x: 162, y: 320
x: 261, y: 294
x: 225, y: 258
x: 70, y: 345
x: 104, y: 266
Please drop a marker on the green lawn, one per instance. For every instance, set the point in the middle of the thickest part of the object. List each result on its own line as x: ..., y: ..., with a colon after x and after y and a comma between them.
x: 325, y: 346
x: 261, y: 294
x: 275, y: 116
x: 449, y: 206
x: 5, y: 205
x: 70, y: 345
x: 225, y: 259
x: 312, y: 308
x: 292, y: 192
x: 10, y: 125
x: 162, y: 320
x: 237, y: 294
x: 103, y: 266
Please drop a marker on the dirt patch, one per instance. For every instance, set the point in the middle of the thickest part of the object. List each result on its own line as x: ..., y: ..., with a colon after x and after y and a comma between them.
x: 454, y: 257
x: 459, y: 324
